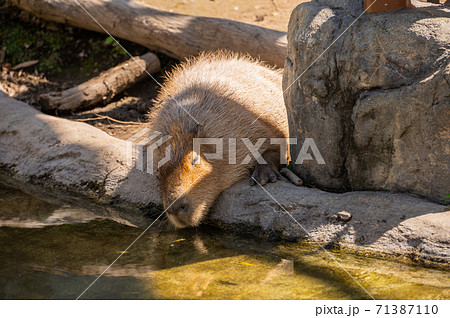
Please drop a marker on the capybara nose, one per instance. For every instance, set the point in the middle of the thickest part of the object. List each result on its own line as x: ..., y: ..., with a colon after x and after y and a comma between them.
x: 178, y: 208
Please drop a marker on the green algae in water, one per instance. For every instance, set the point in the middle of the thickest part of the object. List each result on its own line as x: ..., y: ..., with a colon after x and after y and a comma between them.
x: 47, y: 259
x: 272, y: 278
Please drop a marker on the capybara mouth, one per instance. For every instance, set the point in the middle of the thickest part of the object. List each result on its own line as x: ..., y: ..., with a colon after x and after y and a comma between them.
x: 179, y: 222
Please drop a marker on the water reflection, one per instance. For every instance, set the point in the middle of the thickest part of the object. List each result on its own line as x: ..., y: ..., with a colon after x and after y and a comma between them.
x: 54, y: 251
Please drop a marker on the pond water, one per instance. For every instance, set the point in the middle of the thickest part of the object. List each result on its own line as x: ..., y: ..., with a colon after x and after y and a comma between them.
x: 54, y: 251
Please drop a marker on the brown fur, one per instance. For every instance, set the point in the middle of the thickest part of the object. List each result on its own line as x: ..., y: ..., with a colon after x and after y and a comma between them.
x: 225, y: 93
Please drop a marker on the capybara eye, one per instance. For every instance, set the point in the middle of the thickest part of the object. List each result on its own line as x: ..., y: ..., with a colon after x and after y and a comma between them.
x: 195, y: 160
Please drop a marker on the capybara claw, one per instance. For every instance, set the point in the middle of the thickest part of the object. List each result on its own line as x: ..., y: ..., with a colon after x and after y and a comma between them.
x: 264, y: 173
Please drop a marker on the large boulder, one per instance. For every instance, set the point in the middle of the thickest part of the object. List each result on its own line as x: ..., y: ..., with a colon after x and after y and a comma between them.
x: 373, y: 91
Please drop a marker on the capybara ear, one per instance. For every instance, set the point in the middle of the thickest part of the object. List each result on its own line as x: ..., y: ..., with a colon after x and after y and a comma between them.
x: 158, y: 154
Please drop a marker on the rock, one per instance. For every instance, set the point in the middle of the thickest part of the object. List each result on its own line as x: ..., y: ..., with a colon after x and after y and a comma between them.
x: 344, y: 216
x: 412, y: 225
x: 72, y: 156
x: 58, y: 154
x: 376, y: 102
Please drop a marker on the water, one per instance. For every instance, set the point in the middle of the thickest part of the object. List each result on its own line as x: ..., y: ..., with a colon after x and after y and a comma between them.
x: 52, y: 250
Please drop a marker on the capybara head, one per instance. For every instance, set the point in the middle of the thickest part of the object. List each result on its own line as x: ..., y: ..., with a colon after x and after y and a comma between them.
x: 188, y: 185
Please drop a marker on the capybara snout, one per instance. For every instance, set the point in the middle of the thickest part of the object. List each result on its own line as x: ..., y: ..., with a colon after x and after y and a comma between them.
x: 180, y: 212
x: 185, y: 189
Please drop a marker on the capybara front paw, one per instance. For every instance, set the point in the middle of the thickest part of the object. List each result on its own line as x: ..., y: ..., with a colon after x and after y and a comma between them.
x: 264, y: 173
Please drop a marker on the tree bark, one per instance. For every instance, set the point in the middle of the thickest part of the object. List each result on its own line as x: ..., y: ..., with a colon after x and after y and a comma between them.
x: 103, y: 87
x: 176, y: 35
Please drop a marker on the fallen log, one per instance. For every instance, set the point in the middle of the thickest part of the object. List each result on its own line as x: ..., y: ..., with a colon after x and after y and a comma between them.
x: 103, y: 87
x: 176, y: 35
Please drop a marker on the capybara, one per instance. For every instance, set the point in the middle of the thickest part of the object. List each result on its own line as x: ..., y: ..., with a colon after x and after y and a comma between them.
x: 216, y: 95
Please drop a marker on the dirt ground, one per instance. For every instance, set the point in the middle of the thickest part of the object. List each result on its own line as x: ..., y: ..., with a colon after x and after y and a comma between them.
x: 272, y: 14
x: 66, y: 56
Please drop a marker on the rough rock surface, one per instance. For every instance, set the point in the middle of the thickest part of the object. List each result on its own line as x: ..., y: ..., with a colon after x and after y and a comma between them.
x: 62, y: 154
x: 380, y: 221
x: 377, y: 102
x: 70, y: 155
